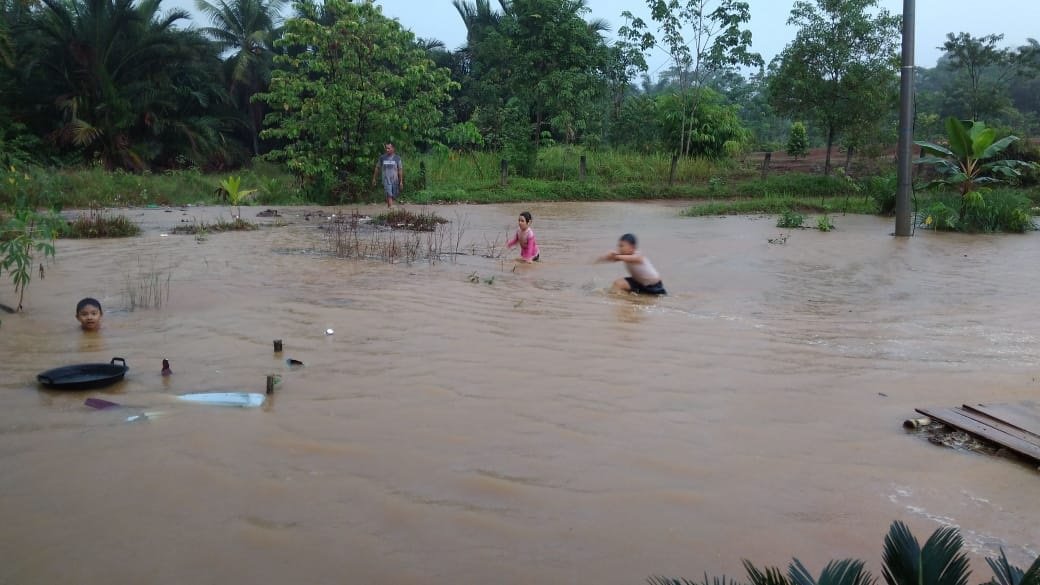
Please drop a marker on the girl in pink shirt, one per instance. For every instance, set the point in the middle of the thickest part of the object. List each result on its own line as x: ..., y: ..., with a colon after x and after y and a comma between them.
x: 525, y: 238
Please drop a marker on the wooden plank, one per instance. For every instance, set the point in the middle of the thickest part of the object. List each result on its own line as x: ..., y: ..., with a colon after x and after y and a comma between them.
x: 999, y: 425
x: 1019, y: 415
x: 958, y: 420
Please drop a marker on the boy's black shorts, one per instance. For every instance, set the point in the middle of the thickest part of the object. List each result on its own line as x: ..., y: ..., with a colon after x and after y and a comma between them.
x: 643, y: 289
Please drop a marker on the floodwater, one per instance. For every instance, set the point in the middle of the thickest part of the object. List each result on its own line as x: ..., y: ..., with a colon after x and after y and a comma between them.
x: 530, y: 430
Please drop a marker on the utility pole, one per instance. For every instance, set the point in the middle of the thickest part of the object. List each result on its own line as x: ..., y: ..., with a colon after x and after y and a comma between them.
x: 904, y: 156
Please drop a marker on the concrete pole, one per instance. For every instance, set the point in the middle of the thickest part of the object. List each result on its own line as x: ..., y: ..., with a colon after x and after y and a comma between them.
x: 904, y: 156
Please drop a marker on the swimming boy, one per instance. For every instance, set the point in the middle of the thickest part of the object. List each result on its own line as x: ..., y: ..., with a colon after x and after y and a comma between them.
x: 393, y: 174
x: 644, y: 277
x: 524, y: 237
x: 88, y: 313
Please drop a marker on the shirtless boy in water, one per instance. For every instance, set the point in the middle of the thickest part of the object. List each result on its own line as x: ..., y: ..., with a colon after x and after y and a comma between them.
x: 88, y: 313
x: 644, y: 277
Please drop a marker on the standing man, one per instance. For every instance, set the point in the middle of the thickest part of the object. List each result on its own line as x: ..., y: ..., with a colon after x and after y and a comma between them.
x: 393, y: 174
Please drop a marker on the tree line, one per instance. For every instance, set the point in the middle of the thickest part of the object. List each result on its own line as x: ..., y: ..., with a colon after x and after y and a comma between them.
x: 127, y: 85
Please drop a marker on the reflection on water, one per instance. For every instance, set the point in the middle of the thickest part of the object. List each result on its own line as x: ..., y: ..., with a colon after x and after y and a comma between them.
x: 531, y: 430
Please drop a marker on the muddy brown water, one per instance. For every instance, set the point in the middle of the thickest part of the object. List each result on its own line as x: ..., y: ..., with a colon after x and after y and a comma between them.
x: 533, y: 430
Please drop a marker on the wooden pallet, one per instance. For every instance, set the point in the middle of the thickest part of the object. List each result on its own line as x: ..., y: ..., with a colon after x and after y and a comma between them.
x: 1014, y: 426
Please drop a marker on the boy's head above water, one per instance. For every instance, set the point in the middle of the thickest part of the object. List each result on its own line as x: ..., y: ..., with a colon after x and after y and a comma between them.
x: 524, y: 221
x: 626, y: 244
x: 88, y: 313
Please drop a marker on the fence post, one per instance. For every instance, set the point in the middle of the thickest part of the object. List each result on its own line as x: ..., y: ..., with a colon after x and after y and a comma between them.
x: 583, y: 168
x: 504, y: 179
x: 422, y: 175
x: 765, y: 164
x: 675, y: 167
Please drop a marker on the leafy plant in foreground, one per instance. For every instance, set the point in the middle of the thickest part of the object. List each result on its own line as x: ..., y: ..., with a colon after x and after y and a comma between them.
x: 824, y: 224
x: 941, y: 561
x: 24, y: 234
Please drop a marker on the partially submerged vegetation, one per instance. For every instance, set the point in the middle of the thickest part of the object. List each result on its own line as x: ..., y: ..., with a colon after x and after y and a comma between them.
x: 423, y: 221
x: 98, y: 222
x: 196, y: 228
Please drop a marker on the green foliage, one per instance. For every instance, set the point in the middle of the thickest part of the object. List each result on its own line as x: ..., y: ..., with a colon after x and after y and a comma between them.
x: 798, y: 141
x: 535, y: 68
x: 716, y: 41
x: 882, y: 189
x: 963, y: 164
x: 701, y: 119
x: 840, y: 69
x: 776, y: 205
x: 120, y: 84
x: 248, y: 28
x: 231, y: 188
x: 994, y: 211
x: 351, y: 80
x: 790, y: 219
x: 981, y: 70
x: 25, y: 235
x: 824, y: 223
x: 464, y: 137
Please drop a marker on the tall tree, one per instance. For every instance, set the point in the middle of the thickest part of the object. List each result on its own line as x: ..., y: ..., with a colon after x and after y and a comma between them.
x: 840, y: 67
x: 248, y: 29
x: 351, y: 79
x: 981, y: 71
x: 538, y: 60
x: 702, y: 37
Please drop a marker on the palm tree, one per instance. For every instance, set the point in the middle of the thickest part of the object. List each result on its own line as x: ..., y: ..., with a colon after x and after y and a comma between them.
x: 249, y: 28
x: 128, y: 83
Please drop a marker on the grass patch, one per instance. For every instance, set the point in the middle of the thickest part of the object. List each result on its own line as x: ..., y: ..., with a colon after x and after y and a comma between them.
x: 221, y: 225
x: 424, y: 221
x: 98, y: 223
x: 779, y: 205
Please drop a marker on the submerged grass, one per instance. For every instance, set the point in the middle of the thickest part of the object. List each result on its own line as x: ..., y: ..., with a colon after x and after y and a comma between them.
x: 221, y: 225
x: 98, y: 223
x: 147, y: 287
x: 423, y: 221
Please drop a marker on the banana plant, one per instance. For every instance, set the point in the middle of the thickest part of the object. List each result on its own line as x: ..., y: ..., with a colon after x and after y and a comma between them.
x: 969, y: 160
x: 232, y: 186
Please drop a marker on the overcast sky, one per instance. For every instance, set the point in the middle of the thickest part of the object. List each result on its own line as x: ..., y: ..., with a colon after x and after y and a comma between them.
x: 1018, y: 20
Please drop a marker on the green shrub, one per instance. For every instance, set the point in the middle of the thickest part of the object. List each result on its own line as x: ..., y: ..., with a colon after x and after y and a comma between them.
x: 991, y: 211
x: 882, y: 189
x: 823, y: 223
x: 940, y: 216
x: 790, y: 219
x: 798, y: 141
